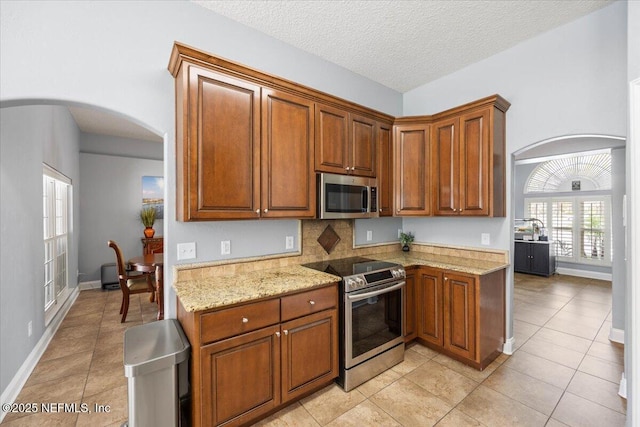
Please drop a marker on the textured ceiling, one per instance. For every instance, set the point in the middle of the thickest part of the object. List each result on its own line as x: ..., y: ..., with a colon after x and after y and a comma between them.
x: 400, y: 44
x: 403, y: 44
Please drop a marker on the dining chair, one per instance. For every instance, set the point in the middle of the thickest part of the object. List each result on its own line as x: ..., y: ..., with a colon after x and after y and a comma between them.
x: 130, y: 283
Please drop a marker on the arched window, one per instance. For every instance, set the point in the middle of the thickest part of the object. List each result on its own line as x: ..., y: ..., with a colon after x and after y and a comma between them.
x: 591, y: 171
x: 575, y: 206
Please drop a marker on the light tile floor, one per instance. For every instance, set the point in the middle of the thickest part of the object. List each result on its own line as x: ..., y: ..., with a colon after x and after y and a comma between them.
x: 564, y: 371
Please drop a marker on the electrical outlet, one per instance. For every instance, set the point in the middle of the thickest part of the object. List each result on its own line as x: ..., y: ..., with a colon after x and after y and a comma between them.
x: 485, y: 239
x: 369, y: 235
x: 30, y: 328
x: 288, y: 242
x: 225, y: 247
x: 186, y: 250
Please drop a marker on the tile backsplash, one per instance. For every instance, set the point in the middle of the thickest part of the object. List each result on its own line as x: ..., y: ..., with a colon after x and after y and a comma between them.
x: 312, y: 251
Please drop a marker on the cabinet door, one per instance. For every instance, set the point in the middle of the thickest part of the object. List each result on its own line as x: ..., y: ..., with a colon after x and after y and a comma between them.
x: 240, y: 377
x: 410, y: 306
x: 475, y: 163
x: 459, y: 315
x: 288, y: 178
x: 521, y: 258
x: 385, y: 171
x: 411, y: 170
x: 332, y: 139
x: 539, y: 258
x: 219, y: 174
x: 309, y: 353
x: 363, y: 145
x: 445, y: 169
x: 430, y: 316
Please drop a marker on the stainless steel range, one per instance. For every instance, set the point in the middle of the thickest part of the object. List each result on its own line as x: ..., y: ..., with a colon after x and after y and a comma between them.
x: 371, y: 316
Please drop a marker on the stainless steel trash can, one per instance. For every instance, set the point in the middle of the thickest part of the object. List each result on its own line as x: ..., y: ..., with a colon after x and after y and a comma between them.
x: 156, y: 364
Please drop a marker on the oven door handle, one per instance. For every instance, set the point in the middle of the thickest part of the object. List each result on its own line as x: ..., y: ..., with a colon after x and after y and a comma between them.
x: 377, y: 292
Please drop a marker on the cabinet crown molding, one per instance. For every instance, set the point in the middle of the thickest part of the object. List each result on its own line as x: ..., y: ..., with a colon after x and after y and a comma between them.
x: 182, y: 52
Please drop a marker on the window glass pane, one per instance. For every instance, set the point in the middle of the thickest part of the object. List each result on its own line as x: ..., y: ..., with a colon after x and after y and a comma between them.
x: 562, y: 227
x: 592, y: 229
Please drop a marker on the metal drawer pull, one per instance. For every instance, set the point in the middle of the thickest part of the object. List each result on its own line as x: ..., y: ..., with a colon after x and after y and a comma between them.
x: 278, y: 334
x: 312, y: 302
x: 286, y: 332
x: 258, y: 211
x: 245, y: 320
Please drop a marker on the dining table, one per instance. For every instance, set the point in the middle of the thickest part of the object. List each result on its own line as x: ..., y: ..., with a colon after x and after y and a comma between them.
x: 152, y: 263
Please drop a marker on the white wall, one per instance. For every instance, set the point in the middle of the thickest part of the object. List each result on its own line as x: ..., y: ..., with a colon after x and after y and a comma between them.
x: 110, y: 201
x: 632, y: 330
x: 29, y: 136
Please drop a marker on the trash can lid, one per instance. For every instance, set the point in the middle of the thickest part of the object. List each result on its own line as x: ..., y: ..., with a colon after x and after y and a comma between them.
x: 154, y: 346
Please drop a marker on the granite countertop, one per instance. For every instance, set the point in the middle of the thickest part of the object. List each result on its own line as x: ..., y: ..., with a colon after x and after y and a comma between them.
x: 223, y: 290
x: 217, y: 291
x: 461, y: 265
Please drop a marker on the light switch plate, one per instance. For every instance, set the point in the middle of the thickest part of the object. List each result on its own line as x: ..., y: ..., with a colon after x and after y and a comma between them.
x: 485, y: 239
x: 186, y: 250
x: 369, y: 235
x: 225, y: 247
x: 288, y: 242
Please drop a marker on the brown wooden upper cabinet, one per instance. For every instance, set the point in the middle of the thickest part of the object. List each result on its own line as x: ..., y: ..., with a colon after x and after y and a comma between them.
x: 345, y: 142
x: 248, y: 145
x: 411, y: 169
x: 288, y: 181
x: 243, y: 151
x: 467, y: 164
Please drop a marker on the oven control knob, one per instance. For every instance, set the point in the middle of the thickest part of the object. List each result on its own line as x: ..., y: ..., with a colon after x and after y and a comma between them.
x: 351, y: 283
x: 360, y: 281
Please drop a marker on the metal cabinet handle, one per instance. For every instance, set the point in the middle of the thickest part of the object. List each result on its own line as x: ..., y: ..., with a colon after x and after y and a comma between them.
x: 258, y: 211
x: 278, y: 334
x: 286, y: 332
x: 347, y: 168
x: 446, y: 278
x: 380, y: 209
x: 353, y: 168
x: 312, y: 302
x: 265, y: 210
x: 245, y: 320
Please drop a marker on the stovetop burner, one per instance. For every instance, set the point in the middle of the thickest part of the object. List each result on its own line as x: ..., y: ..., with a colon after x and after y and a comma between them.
x: 359, y: 272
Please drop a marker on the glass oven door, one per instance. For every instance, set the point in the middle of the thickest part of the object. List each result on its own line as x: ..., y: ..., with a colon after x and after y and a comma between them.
x: 373, y: 321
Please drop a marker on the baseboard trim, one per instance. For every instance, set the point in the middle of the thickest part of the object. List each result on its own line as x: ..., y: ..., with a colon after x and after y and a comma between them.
x: 10, y: 394
x: 584, y: 273
x: 616, y: 335
x: 93, y: 284
x: 508, y: 346
x: 622, y: 390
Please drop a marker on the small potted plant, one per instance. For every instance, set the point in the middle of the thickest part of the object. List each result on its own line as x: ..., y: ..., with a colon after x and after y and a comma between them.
x: 148, y: 217
x: 405, y: 240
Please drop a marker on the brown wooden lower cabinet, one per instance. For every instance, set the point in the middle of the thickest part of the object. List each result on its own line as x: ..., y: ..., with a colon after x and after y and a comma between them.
x: 256, y: 368
x: 410, y: 318
x: 461, y: 315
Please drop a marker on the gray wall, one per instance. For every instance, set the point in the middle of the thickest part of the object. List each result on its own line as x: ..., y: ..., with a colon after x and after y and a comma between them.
x: 29, y: 136
x: 383, y: 230
x: 110, y: 200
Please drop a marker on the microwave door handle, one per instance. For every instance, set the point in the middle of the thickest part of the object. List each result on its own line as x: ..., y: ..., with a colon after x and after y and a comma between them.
x: 366, y: 295
x: 365, y: 199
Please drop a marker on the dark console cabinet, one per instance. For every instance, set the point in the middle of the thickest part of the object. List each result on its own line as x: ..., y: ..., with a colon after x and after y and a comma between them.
x: 534, y: 258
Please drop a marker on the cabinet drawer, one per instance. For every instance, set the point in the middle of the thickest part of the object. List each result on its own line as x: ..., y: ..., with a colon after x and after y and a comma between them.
x: 309, y: 302
x: 238, y: 320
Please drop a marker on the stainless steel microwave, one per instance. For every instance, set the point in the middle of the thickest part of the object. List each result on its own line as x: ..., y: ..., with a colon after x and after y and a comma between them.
x: 345, y: 196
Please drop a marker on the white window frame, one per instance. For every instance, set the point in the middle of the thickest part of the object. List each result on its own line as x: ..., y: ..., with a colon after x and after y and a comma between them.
x: 577, y: 249
x: 57, y: 214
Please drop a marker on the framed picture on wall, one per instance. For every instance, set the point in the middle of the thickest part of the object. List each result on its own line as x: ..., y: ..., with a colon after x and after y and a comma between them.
x: 153, y: 194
